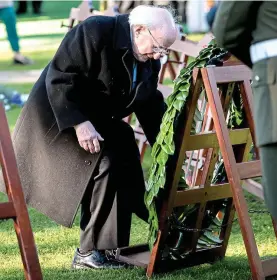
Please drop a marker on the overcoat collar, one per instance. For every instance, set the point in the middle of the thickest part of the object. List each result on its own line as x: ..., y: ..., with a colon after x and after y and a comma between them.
x: 122, y: 42
x: 122, y: 38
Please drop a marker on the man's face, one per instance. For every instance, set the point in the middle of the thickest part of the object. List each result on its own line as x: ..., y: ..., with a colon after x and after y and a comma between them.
x: 150, y: 44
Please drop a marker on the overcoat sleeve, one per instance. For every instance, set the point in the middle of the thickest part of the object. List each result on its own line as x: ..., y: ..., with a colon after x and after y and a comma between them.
x: 233, y: 26
x: 70, y: 68
x: 150, y: 112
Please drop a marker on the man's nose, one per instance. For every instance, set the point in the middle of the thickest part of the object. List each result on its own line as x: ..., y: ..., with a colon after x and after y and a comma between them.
x: 156, y: 56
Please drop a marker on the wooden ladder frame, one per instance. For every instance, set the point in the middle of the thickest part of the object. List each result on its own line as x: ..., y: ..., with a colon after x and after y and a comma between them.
x: 235, y: 146
x: 237, y: 172
x: 16, y: 208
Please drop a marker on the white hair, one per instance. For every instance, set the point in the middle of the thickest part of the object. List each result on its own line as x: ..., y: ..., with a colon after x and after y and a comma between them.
x: 150, y: 16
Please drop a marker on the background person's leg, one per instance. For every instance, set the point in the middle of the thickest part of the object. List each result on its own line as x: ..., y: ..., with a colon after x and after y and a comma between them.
x: 9, y: 18
x: 36, y: 7
x: 269, y: 170
x: 22, y: 7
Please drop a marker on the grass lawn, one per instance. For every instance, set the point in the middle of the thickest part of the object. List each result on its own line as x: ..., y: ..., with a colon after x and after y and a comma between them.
x: 56, y: 246
x: 40, y: 37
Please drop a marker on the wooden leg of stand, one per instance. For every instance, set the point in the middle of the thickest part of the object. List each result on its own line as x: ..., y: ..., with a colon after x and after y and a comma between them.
x: 233, y: 175
x: 14, y: 190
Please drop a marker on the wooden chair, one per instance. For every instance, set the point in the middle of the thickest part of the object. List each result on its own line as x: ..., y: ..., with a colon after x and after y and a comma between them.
x: 16, y: 208
x: 82, y: 12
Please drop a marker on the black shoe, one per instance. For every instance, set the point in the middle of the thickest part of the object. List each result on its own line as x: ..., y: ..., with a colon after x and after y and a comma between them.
x: 94, y: 259
x: 111, y: 257
x: 22, y: 60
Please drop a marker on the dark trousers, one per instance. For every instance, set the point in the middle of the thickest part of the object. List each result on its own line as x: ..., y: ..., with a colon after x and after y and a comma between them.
x: 268, y: 155
x: 265, y: 115
x: 115, y: 192
x: 7, y: 15
x: 22, y: 6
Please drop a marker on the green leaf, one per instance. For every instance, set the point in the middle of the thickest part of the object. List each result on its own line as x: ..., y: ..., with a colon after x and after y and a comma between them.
x: 169, y: 149
x: 212, y: 237
x: 169, y: 137
x: 152, y: 172
x: 209, y: 241
x: 201, y: 64
x: 149, y: 185
x: 185, y: 87
x: 178, y: 104
x: 165, y: 118
x: 155, y: 149
x: 161, y: 182
x: 156, y: 188
x: 160, y: 138
x: 173, y: 113
x: 182, y: 96
x: 162, y: 157
x: 149, y: 198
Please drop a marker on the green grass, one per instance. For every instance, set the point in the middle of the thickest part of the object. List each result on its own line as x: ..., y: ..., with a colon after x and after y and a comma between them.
x: 21, y: 88
x: 40, y: 37
x: 56, y: 246
x: 41, y: 59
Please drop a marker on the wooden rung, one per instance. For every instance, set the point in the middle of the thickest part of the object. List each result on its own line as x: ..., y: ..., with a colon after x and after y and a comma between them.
x: 270, y: 267
x: 7, y: 211
x: 249, y: 169
x: 194, y: 195
x: 237, y: 73
x: 209, y: 139
x: 138, y: 255
x: 254, y: 188
x: 187, y: 47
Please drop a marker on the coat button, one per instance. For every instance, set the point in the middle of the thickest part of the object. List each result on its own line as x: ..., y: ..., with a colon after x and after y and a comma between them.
x: 257, y: 78
x: 87, y: 162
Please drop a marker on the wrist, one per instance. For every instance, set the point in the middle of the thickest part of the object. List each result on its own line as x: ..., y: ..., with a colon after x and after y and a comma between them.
x: 79, y: 124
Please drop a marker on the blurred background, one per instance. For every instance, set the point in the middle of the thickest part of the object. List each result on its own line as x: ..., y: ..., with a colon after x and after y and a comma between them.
x: 31, y: 31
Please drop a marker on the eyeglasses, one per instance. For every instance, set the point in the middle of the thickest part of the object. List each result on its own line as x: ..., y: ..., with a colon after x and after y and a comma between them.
x: 160, y: 49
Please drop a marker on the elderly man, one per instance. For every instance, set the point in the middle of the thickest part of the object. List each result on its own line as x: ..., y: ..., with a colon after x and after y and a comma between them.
x: 71, y: 144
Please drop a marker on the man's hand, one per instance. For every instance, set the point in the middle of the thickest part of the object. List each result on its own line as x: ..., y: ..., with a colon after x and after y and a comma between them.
x: 88, y: 137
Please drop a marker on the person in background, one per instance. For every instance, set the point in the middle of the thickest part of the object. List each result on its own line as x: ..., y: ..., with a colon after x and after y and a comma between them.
x: 248, y: 30
x: 8, y: 17
x: 211, y: 15
x: 22, y: 7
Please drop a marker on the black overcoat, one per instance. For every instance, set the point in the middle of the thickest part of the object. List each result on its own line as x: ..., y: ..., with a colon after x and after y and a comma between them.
x: 89, y: 78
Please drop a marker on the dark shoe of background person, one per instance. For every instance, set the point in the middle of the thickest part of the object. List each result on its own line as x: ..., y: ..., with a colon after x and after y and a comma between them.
x: 94, y: 260
x: 22, y: 60
x: 20, y: 12
x: 36, y: 7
